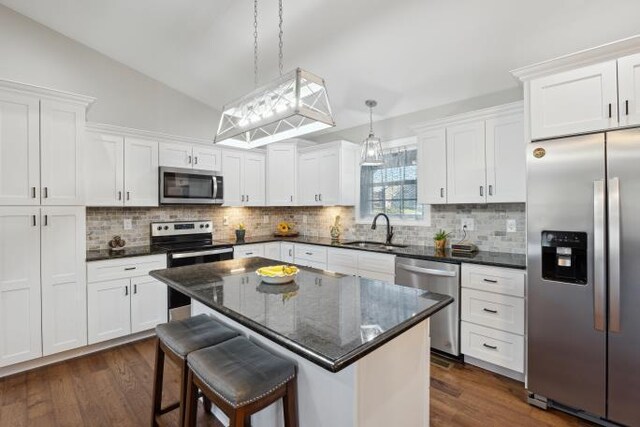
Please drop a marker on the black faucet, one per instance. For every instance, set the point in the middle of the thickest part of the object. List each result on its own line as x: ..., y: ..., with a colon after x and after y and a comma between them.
x: 389, y: 227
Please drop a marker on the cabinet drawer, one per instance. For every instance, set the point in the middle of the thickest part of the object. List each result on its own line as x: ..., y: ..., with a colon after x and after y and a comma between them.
x: 493, y: 279
x: 317, y: 254
x: 494, y: 310
x: 343, y: 261
x: 381, y: 263
x: 247, y: 251
x: 497, y: 347
x: 98, y: 271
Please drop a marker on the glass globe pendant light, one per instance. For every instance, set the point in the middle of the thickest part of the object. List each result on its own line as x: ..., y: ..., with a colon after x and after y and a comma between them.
x: 371, y: 154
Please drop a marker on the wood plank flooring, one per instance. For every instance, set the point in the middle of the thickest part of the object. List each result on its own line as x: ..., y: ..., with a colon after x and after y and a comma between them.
x: 113, y: 388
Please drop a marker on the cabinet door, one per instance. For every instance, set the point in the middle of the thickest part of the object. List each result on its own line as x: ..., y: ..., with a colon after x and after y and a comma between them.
x: 61, y: 153
x: 19, y: 150
x: 506, y: 160
x: 64, y: 291
x: 148, y: 303
x: 175, y: 155
x: 432, y: 167
x: 286, y: 252
x: 329, y: 177
x: 207, y: 158
x: 272, y: 250
x: 232, y: 174
x: 248, y: 251
x: 104, y: 170
x: 20, y: 325
x: 254, y: 174
x: 108, y: 310
x: 629, y: 90
x: 140, y: 172
x: 281, y: 175
x: 575, y: 101
x: 466, y: 163
x: 343, y: 261
x: 308, y: 179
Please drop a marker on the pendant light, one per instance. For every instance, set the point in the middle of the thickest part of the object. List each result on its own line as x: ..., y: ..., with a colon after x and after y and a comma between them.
x: 371, y: 154
x: 292, y: 105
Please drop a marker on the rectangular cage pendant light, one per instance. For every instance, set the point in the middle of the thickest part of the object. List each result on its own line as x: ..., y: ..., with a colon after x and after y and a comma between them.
x: 293, y: 105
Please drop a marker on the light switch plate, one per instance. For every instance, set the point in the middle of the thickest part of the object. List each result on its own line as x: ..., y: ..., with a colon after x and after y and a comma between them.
x: 511, y: 226
x: 225, y: 220
x: 469, y: 222
x: 128, y: 224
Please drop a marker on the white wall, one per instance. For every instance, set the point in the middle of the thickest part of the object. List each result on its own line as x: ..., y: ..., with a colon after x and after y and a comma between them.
x: 34, y: 54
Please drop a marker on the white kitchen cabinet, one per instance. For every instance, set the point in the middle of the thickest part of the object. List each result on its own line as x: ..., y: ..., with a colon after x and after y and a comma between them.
x: 109, y: 310
x: 287, y: 252
x: 432, y: 167
x: 64, y: 297
x: 466, y: 163
x: 343, y: 261
x: 179, y: 155
x: 140, y: 172
x: 61, y: 153
x: 243, y: 175
x: 629, y: 90
x: 148, y: 303
x: 104, y: 170
x: 282, y: 168
x: 311, y: 255
x: 505, y: 159
x: 20, y: 149
x: 576, y: 101
x: 247, y: 251
x: 20, y: 303
x: 272, y: 250
x: 493, y: 346
x: 327, y: 174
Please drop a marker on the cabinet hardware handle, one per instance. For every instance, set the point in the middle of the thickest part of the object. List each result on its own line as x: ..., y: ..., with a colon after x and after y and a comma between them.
x: 242, y: 197
x: 135, y: 289
x: 309, y: 253
x: 34, y: 221
x: 129, y: 268
x: 490, y: 280
x: 441, y: 192
x: 189, y: 161
x: 492, y: 347
x: 626, y: 107
x: 290, y: 252
x: 320, y: 196
x: 46, y: 220
x: 291, y: 198
x: 491, y: 190
x: 195, y: 160
x: 119, y: 195
x: 247, y: 197
x: 128, y: 196
x: 610, y: 113
x: 33, y: 192
x: 126, y: 291
x: 481, y: 190
x: 249, y: 253
x: 316, y: 196
x: 488, y: 310
x: 46, y: 192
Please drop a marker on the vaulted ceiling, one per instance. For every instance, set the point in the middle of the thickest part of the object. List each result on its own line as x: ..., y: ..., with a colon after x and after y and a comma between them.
x: 407, y: 54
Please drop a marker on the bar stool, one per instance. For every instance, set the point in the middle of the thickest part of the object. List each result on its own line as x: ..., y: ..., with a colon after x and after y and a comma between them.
x: 241, y: 378
x: 177, y: 339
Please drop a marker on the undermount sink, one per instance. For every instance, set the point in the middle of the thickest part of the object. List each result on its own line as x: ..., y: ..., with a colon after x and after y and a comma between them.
x: 373, y: 245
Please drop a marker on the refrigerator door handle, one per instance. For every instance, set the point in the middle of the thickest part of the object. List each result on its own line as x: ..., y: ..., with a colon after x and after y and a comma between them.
x: 614, y: 255
x: 600, y: 279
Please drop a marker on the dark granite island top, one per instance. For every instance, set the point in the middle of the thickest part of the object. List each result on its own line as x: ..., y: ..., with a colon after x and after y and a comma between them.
x: 329, y: 319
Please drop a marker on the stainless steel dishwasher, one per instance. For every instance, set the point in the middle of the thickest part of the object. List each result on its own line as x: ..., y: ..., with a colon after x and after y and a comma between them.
x: 442, y: 278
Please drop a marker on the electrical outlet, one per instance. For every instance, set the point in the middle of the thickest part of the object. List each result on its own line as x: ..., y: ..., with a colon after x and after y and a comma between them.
x: 511, y: 226
x: 468, y: 222
x: 128, y: 224
x: 265, y: 219
x: 304, y: 219
x: 225, y: 220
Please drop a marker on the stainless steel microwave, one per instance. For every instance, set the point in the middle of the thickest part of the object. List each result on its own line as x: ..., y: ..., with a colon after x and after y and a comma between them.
x: 190, y: 186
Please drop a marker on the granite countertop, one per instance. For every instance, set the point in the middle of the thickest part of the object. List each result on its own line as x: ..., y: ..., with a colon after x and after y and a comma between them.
x: 496, y: 259
x: 128, y: 251
x: 328, y: 318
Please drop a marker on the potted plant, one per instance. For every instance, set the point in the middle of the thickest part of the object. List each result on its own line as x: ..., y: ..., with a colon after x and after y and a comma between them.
x: 240, y: 232
x: 440, y: 240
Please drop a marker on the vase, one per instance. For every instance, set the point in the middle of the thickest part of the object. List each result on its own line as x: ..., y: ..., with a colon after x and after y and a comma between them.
x: 240, y: 235
x: 440, y: 244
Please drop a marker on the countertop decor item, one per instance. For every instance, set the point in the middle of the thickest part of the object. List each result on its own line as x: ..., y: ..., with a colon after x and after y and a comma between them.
x: 278, y: 274
x: 294, y: 104
x: 440, y: 240
x: 285, y: 229
x: 336, y: 229
x: 371, y: 154
x: 240, y: 232
x: 116, y: 243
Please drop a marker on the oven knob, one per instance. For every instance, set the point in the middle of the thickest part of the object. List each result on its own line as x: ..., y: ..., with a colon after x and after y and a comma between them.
x: 201, y: 225
x: 206, y: 225
x: 166, y: 227
x: 159, y: 227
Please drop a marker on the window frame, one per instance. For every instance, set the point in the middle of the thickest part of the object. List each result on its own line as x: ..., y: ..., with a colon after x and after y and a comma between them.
x: 409, y: 143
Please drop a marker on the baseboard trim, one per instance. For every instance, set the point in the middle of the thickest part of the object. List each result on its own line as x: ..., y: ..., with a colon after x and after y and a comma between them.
x: 518, y: 376
x: 72, y: 354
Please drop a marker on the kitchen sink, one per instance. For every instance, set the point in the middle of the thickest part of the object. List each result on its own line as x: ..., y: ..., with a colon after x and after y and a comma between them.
x: 373, y: 245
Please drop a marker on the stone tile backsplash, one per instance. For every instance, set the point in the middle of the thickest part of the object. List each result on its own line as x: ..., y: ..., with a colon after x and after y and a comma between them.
x: 489, y: 234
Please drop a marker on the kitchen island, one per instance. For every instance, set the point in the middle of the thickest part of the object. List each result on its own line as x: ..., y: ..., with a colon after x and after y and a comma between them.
x: 362, y: 346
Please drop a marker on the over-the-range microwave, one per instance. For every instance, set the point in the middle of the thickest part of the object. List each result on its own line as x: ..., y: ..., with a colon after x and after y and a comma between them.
x: 190, y: 186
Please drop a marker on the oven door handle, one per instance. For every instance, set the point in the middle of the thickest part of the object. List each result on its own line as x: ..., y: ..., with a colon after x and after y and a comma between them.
x: 201, y: 253
x: 427, y: 271
x: 215, y: 187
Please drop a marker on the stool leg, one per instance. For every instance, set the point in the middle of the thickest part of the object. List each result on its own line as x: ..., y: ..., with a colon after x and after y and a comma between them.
x: 290, y: 405
x: 184, y: 373
x: 191, y: 402
x: 158, y: 376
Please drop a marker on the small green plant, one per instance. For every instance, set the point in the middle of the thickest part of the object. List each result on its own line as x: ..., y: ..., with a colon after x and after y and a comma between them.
x: 241, y: 226
x: 441, y: 235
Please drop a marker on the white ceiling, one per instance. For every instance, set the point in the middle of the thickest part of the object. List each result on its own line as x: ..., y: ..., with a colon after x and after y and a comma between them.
x: 407, y: 54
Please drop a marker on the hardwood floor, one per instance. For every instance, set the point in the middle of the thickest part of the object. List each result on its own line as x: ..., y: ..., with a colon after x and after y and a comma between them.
x: 113, y: 388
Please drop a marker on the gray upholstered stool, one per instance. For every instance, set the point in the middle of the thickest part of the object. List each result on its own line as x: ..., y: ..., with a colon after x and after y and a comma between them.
x: 241, y: 378
x: 177, y: 339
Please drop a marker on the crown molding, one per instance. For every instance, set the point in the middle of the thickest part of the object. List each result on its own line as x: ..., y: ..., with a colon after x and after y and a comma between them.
x: 46, y: 93
x: 581, y: 58
x: 483, y: 114
x: 144, y: 134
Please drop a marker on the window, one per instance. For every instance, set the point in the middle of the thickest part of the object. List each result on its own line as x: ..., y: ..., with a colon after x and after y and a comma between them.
x: 392, y: 188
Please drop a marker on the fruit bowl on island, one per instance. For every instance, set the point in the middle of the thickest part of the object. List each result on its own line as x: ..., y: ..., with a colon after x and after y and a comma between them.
x: 278, y: 274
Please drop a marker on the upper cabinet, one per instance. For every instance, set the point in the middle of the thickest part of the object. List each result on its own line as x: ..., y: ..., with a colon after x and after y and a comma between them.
x: 140, y: 172
x: 629, y: 90
x: 282, y: 174
x: 41, y: 156
x: 327, y: 174
x: 477, y: 157
x: 179, y: 155
x: 243, y: 173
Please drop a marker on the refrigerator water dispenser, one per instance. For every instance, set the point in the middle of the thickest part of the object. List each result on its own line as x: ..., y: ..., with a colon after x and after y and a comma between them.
x: 564, y: 256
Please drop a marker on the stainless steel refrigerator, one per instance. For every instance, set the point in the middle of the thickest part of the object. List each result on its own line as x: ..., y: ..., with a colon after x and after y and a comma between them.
x: 583, y: 249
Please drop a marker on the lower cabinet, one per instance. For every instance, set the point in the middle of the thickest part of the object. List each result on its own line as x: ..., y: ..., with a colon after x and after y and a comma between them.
x: 123, y: 299
x: 248, y: 251
x: 287, y: 252
x: 272, y: 251
x: 369, y: 265
x: 312, y: 256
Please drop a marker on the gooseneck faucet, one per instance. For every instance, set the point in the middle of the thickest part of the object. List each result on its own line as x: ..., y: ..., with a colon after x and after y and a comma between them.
x: 389, y: 227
